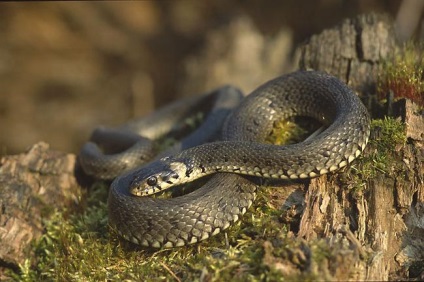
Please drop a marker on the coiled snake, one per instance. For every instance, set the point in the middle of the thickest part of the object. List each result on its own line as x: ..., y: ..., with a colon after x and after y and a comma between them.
x: 241, y: 153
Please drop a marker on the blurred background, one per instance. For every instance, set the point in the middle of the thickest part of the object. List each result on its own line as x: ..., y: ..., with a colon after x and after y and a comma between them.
x: 67, y: 67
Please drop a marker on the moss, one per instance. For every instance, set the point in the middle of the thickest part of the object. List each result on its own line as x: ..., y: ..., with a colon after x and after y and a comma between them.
x: 390, y: 133
x: 402, y: 74
x: 388, y: 137
x: 293, y: 130
x: 81, y: 247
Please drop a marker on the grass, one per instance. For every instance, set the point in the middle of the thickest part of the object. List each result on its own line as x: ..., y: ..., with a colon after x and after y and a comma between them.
x: 402, y: 74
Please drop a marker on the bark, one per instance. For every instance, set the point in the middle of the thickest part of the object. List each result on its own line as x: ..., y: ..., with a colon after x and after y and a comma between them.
x: 31, y: 185
x: 383, y: 222
x: 352, y: 51
x: 378, y: 230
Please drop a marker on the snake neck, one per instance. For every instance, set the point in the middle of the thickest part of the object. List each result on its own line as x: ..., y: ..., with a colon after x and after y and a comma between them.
x: 164, y: 174
x: 261, y: 160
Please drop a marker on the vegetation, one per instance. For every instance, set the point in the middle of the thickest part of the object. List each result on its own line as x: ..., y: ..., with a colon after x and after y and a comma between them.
x: 81, y: 247
x: 292, y: 130
x: 388, y: 138
x: 402, y: 74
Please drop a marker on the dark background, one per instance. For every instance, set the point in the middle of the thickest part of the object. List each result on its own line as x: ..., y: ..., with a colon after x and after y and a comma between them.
x: 66, y: 67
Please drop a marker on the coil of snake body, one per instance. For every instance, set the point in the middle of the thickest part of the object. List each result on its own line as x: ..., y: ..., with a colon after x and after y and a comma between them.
x: 240, y: 154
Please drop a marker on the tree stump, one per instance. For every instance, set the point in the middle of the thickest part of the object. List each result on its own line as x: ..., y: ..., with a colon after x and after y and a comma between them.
x: 376, y: 230
x: 383, y: 223
x: 352, y: 51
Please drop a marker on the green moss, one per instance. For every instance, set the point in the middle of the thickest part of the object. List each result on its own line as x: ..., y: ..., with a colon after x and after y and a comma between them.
x: 390, y: 133
x: 81, y: 247
x: 292, y: 130
x: 402, y: 74
x: 388, y: 137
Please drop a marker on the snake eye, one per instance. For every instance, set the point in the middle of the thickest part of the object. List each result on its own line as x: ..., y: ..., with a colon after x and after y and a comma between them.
x: 152, y: 181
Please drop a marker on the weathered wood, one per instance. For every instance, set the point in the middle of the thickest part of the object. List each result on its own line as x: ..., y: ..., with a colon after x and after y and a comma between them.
x: 376, y: 219
x: 377, y: 231
x: 352, y: 51
x: 31, y: 185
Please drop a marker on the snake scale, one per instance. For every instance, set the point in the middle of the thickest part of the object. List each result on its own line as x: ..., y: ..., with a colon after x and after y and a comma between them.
x: 240, y: 154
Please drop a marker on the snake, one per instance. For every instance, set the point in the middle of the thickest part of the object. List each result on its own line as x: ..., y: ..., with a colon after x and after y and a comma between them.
x: 238, y: 159
x: 113, y: 151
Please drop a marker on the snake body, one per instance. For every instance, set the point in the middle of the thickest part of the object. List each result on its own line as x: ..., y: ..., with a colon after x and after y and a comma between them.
x: 113, y: 151
x: 241, y: 153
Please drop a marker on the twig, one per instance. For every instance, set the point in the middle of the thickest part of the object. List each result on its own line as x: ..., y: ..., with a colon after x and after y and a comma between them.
x: 170, y: 272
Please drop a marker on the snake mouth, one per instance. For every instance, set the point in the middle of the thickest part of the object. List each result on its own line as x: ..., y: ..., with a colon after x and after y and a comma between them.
x: 145, y: 186
x: 160, y: 175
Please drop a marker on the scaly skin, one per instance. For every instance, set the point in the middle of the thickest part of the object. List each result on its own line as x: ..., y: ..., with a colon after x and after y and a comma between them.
x: 215, y: 206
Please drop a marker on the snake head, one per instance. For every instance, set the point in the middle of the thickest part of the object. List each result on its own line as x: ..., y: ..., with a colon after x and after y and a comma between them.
x: 160, y: 175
